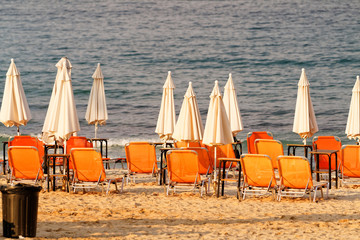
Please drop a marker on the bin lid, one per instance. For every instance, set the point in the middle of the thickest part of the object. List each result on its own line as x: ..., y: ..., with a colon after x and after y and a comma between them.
x: 19, y: 187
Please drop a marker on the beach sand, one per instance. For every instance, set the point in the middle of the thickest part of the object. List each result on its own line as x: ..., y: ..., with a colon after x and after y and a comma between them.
x: 143, y: 211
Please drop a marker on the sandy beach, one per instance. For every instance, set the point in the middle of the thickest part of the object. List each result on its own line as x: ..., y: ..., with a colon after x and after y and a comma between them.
x: 143, y: 211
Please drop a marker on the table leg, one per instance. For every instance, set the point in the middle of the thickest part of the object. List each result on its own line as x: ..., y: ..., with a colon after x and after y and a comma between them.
x: 54, y: 159
x: 4, y: 155
x: 218, y: 182
x: 329, y: 171
x: 223, y: 177
x: 239, y: 183
x: 161, y: 168
x: 67, y: 175
x: 48, y: 174
x: 336, y: 170
x: 317, y: 167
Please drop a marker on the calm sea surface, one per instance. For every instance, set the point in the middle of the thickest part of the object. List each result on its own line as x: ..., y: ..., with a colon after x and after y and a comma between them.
x: 264, y: 44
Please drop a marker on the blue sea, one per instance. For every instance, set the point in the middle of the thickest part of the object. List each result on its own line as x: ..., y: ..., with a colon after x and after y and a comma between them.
x: 263, y: 43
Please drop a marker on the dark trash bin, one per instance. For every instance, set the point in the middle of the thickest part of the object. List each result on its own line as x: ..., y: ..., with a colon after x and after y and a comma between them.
x: 20, y: 208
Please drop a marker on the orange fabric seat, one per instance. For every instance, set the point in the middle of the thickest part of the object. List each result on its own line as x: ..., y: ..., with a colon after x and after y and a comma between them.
x: 183, y: 169
x: 295, y: 174
x: 183, y: 144
x: 252, y: 136
x: 89, y: 170
x: 270, y: 147
x: 259, y: 175
x: 76, y: 142
x: 25, y: 164
x: 222, y: 151
x: 205, y: 166
x: 329, y: 143
x: 28, y: 141
x: 141, y: 158
x: 350, y: 162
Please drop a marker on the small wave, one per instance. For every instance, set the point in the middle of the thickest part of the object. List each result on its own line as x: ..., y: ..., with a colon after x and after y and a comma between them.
x: 114, y: 142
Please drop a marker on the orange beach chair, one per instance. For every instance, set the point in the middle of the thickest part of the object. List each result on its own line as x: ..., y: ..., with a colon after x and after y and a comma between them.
x: 25, y: 164
x: 350, y: 162
x: 296, y: 179
x: 252, y: 136
x: 259, y: 175
x: 141, y: 159
x: 89, y: 172
x: 183, y: 170
x: 330, y: 143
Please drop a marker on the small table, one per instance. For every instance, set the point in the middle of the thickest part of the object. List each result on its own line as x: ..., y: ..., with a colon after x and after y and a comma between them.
x: 221, y: 180
x: 328, y: 153
x: 294, y: 146
x: 162, y: 176
x: 66, y: 175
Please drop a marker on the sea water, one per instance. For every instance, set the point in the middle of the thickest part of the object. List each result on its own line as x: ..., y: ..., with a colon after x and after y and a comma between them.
x: 264, y: 44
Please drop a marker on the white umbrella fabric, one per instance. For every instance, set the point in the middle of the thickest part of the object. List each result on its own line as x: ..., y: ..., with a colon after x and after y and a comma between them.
x: 217, y: 128
x: 353, y: 122
x: 61, y: 119
x: 231, y: 107
x: 304, y: 120
x: 166, y: 120
x: 96, y: 112
x: 189, y: 126
x: 14, y: 107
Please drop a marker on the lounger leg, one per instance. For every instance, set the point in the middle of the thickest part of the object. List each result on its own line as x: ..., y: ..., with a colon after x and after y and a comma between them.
x: 122, y: 184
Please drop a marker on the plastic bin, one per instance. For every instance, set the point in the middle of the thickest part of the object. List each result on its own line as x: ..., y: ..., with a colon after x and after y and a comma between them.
x: 20, y: 208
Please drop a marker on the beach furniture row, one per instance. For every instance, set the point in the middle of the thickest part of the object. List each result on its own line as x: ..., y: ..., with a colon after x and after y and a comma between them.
x: 141, y: 158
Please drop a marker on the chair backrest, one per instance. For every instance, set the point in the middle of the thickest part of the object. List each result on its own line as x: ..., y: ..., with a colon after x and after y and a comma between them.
x: 28, y: 141
x: 25, y: 163
x: 350, y: 160
x: 294, y: 172
x: 182, y: 144
x: 205, y: 165
x: 88, y: 165
x: 258, y: 170
x: 183, y: 166
x: 252, y: 136
x: 330, y: 143
x: 141, y: 157
x: 77, y: 142
x: 270, y: 147
x: 222, y: 151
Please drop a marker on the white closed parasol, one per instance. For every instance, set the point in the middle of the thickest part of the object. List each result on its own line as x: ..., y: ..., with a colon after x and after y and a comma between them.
x: 231, y: 107
x: 14, y: 107
x: 217, y: 128
x: 189, y: 127
x: 61, y: 119
x: 96, y: 112
x: 166, y: 119
x: 353, y: 122
x: 304, y: 120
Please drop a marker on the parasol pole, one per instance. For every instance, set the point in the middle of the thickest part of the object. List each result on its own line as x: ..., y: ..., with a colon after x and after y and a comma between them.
x: 18, y: 130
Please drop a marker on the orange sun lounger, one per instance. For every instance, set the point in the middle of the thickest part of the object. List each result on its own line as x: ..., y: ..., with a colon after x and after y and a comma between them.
x: 350, y: 162
x: 259, y: 175
x: 183, y: 170
x: 25, y: 164
x: 296, y: 179
x: 89, y: 172
x: 329, y: 143
x: 141, y: 159
x: 252, y: 136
